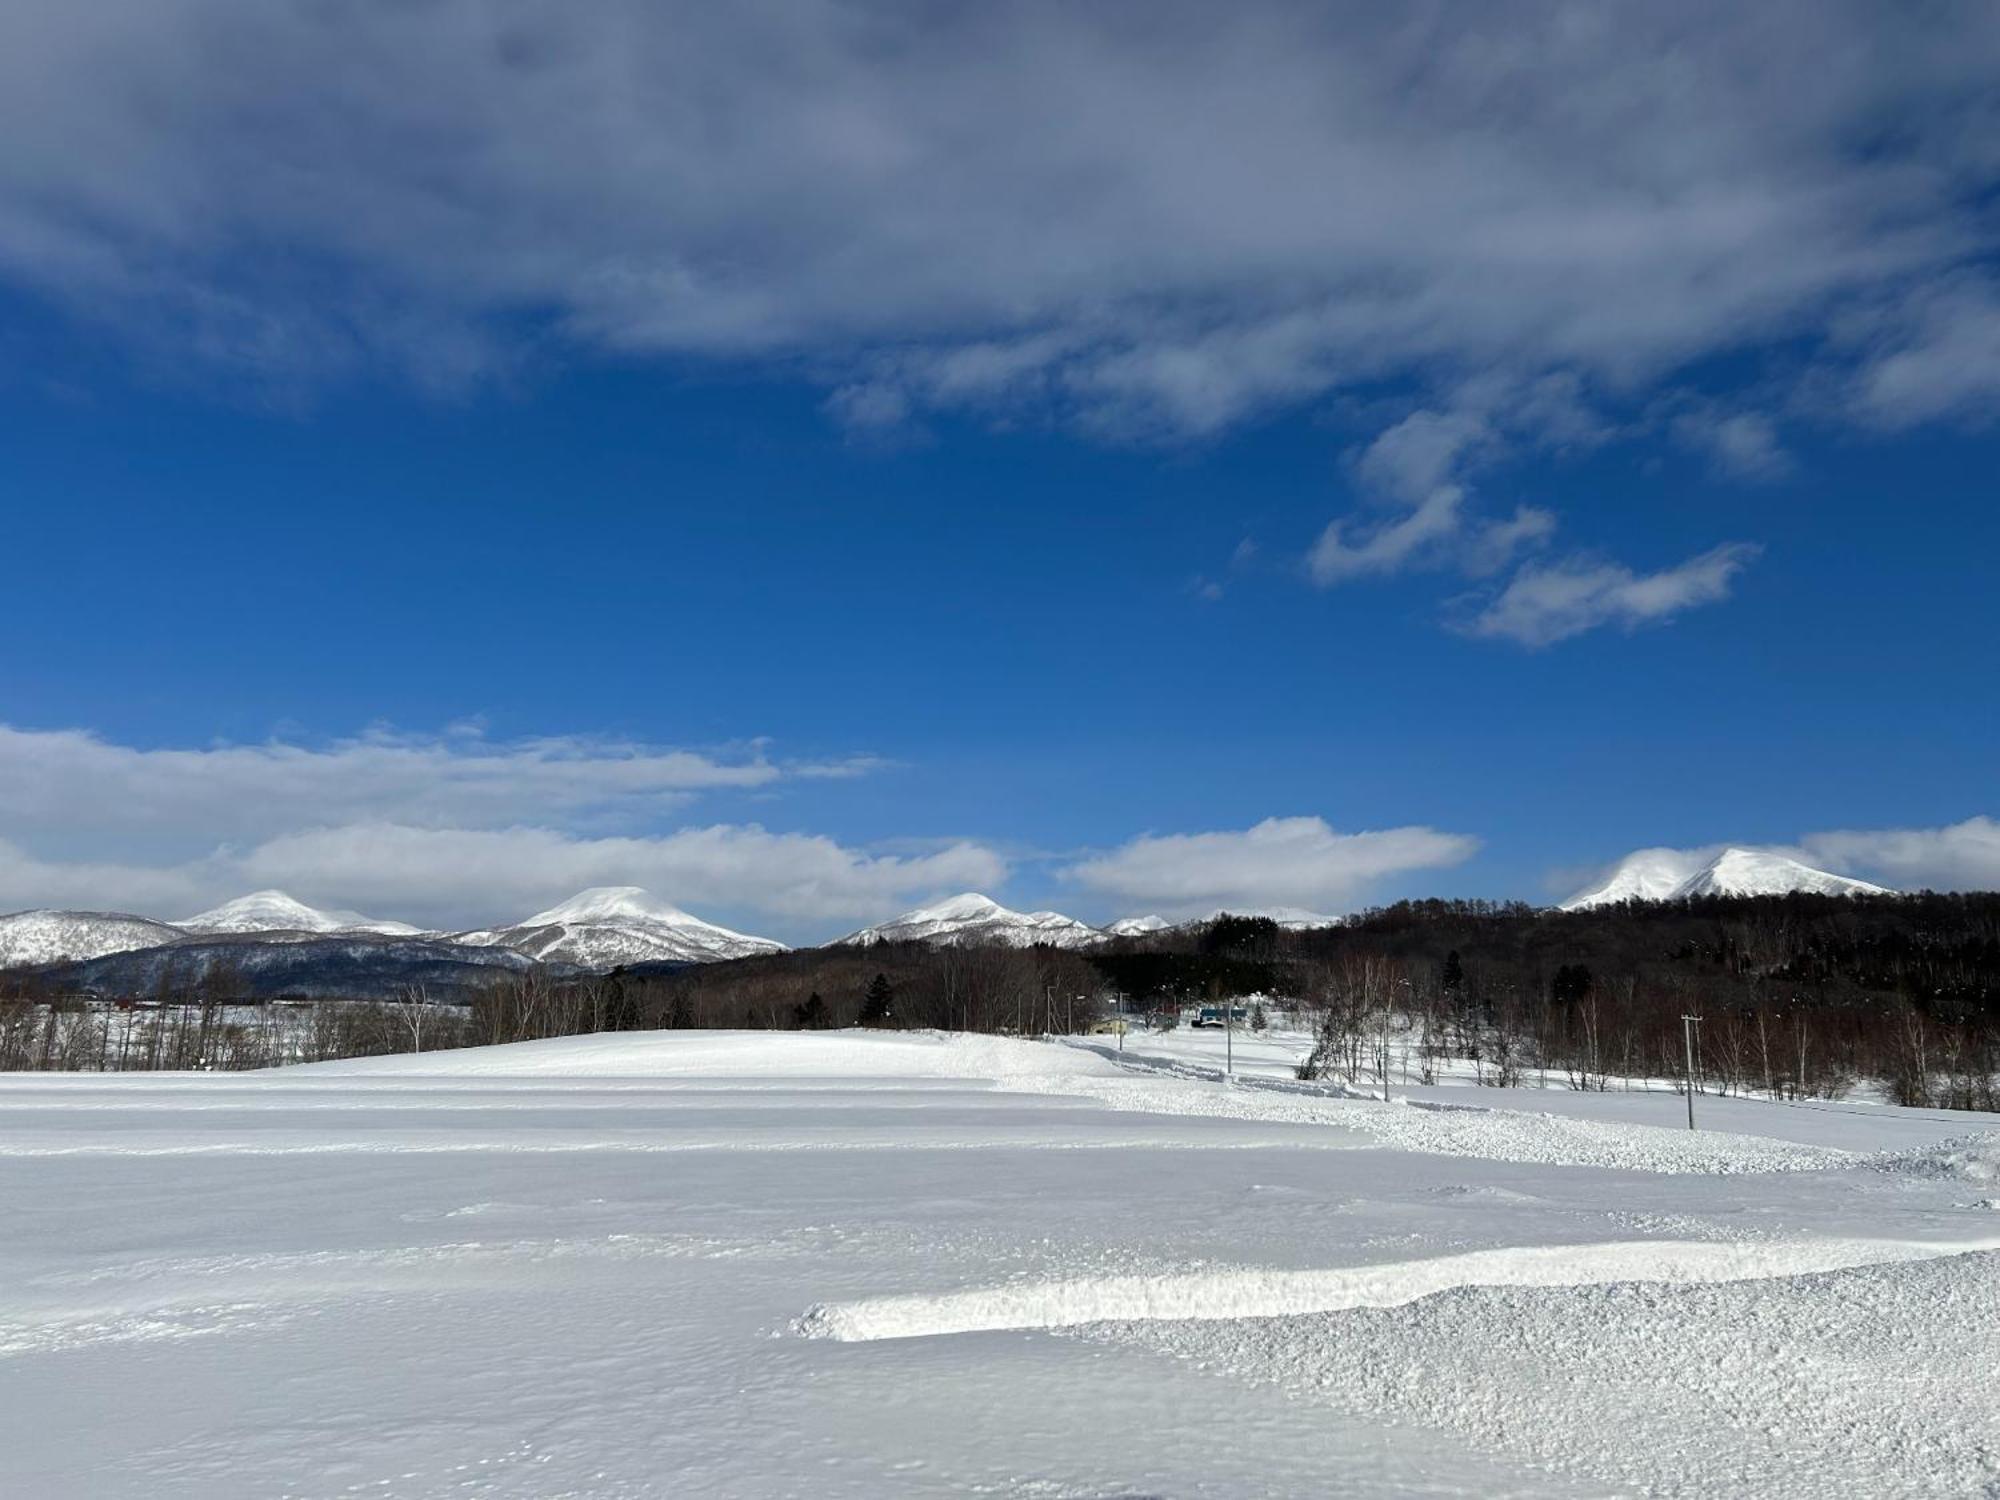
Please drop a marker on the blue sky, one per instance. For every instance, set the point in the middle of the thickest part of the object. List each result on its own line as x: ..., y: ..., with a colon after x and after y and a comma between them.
x: 903, y: 483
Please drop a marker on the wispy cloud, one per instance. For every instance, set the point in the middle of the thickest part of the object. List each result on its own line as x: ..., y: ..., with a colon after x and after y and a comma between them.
x: 1956, y: 857
x: 992, y: 208
x: 1298, y: 861
x: 1545, y: 604
x: 457, y: 877
x: 74, y: 781
x: 1742, y: 445
x: 446, y: 829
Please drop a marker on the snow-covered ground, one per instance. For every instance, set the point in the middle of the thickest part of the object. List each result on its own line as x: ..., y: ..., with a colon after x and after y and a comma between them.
x: 852, y: 1264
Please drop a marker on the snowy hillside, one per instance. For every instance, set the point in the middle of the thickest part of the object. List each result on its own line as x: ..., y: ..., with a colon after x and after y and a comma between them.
x: 1679, y: 874
x: 28, y: 938
x: 609, y: 926
x: 973, y: 918
x: 898, y: 1265
x: 274, y: 911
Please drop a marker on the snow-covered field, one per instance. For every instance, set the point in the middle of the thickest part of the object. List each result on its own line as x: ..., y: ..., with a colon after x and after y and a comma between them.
x: 865, y: 1265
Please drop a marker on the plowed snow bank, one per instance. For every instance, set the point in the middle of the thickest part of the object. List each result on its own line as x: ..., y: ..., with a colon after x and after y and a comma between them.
x: 1247, y: 1293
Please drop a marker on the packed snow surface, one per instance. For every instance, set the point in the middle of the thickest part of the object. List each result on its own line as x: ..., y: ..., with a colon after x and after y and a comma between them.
x: 1679, y: 874
x: 860, y: 1264
x: 973, y: 918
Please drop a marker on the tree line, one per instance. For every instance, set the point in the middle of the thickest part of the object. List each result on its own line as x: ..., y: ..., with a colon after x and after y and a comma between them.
x: 1799, y: 995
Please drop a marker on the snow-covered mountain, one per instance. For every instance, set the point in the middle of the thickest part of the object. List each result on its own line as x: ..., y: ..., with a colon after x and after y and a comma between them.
x: 1678, y: 874
x: 274, y: 911
x: 53, y: 937
x: 607, y: 926
x: 973, y: 918
x: 1137, y: 926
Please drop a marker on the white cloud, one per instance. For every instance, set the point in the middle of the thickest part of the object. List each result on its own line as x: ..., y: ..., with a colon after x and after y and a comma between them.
x: 76, y: 783
x: 1418, y: 469
x: 1390, y: 546
x: 1958, y: 857
x: 1939, y: 356
x: 1419, y: 455
x: 458, y: 877
x: 1740, y: 445
x: 1138, y: 216
x: 447, y: 829
x: 1543, y: 604
x: 1279, y: 862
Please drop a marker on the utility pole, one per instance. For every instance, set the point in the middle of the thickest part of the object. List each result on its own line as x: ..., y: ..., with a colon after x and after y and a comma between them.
x: 1229, y: 1038
x: 1688, y: 1024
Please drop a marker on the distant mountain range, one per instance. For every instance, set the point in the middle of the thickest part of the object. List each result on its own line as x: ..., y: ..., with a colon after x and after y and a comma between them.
x: 973, y: 918
x: 281, y: 946
x: 1678, y: 875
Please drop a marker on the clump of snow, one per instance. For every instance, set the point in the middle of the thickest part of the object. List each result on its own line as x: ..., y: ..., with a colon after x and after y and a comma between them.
x: 1964, y: 1158
x: 1801, y: 1386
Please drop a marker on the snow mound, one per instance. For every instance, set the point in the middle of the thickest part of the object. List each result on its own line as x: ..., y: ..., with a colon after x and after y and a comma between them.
x: 1963, y: 1158
x: 1876, y: 1380
x: 744, y: 1054
x: 1224, y: 1293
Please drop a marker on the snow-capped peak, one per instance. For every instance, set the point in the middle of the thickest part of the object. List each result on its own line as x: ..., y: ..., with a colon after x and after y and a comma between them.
x: 1758, y: 872
x: 274, y: 911
x: 610, y: 903
x: 973, y: 918
x: 1138, y: 926
x: 1678, y: 874
x: 611, y: 925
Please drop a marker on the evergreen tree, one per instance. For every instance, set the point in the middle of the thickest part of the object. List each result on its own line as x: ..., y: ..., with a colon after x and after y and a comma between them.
x: 875, y: 1004
x: 1454, y: 974
x: 811, y: 1016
